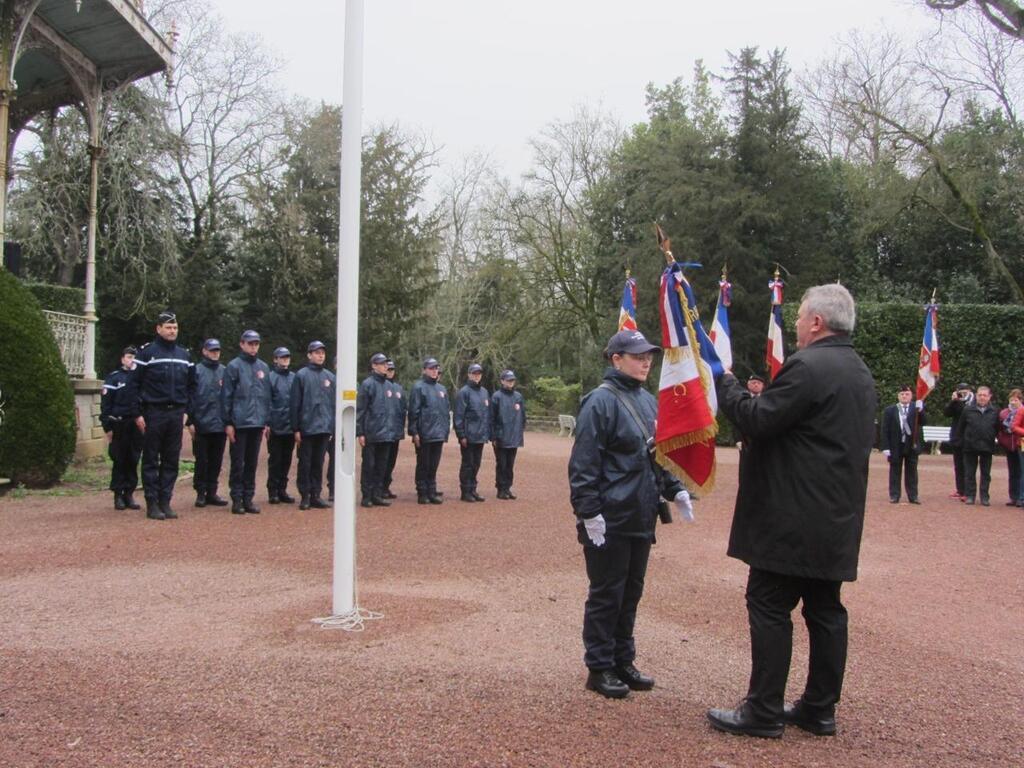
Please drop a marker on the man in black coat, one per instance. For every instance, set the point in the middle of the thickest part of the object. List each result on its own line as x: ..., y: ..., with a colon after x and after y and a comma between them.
x: 963, y: 396
x: 980, y: 423
x: 800, y: 513
x: 901, y: 443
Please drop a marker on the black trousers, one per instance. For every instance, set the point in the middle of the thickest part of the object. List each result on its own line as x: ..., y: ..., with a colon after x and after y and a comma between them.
x: 245, y: 453
x: 905, y: 465
x: 209, y: 452
x: 310, y: 477
x: 161, y: 449
x: 1014, y: 491
x: 389, y: 475
x: 972, y: 461
x: 330, y: 464
x: 373, y: 469
x: 125, y: 449
x: 958, y: 469
x: 504, y: 467
x: 771, y: 598
x: 470, y: 466
x: 428, y: 458
x: 279, y: 461
x: 616, y: 571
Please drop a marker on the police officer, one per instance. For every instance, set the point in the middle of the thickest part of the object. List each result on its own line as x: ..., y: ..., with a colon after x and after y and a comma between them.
x: 246, y: 409
x: 508, y: 413
x: 123, y: 436
x: 472, y: 428
x: 281, y: 437
x: 206, y: 425
x: 397, y: 403
x: 429, y: 422
x: 614, y: 489
x: 312, y: 416
x: 161, y: 387
x: 373, y: 431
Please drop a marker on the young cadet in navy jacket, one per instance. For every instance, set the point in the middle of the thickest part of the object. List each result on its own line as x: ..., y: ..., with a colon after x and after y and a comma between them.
x: 161, y: 388
x: 246, y: 409
x: 206, y: 425
x: 373, y: 433
x: 397, y: 406
x: 508, y: 421
x: 281, y: 440
x: 429, y: 423
x: 312, y: 407
x: 123, y: 436
x: 473, y: 429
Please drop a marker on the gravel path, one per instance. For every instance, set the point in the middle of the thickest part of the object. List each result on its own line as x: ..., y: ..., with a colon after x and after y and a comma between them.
x: 127, y: 642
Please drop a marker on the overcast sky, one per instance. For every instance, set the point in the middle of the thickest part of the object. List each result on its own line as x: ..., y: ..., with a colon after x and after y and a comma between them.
x: 487, y: 75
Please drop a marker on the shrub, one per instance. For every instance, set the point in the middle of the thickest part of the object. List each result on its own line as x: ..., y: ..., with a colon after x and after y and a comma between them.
x: 551, y: 395
x: 58, y: 298
x: 37, y: 436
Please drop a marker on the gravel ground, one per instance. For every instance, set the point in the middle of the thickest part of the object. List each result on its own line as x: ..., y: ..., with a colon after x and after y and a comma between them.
x: 127, y: 642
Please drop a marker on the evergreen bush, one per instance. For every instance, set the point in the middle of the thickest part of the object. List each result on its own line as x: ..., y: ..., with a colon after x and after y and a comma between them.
x: 58, y: 298
x: 37, y: 436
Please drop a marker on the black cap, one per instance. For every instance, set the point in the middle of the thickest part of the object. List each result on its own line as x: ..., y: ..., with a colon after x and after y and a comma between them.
x: 211, y: 344
x: 476, y: 368
x: 129, y: 350
x: 166, y: 317
x: 250, y: 335
x: 431, y: 362
x: 314, y: 346
x: 508, y: 375
x: 282, y: 352
x: 632, y: 342
x: 756, y: 377
x: 378, y: 358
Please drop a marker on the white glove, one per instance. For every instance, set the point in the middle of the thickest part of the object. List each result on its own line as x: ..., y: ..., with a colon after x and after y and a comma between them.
x: 595, y: 529
x: 684, y: 507
x: 887, y: 453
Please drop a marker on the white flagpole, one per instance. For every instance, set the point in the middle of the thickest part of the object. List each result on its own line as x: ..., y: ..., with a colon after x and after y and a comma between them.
x: 348, y: 313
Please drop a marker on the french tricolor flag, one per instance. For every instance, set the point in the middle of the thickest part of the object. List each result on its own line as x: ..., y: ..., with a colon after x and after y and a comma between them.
x: 929, y: 366
x: 627, y: 311
x: 775, y: 352
x: 720, y: 335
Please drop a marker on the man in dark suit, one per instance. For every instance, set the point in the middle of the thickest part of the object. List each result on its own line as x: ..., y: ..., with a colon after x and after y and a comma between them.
x: 901, y: 443
x: 800, y: 513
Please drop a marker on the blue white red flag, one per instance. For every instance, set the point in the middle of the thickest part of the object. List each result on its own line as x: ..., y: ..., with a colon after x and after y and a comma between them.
x: 686, y: 428
x: 720, y: 335
x: 627, y: 312
x: 775, y: 352
x: 929, y: 366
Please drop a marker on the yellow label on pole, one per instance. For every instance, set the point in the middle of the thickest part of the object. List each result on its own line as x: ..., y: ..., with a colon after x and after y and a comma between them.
x: 348, y: 394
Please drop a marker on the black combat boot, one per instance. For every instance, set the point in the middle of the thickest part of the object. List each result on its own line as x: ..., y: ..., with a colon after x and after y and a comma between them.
x: 200, y: 498
x: 130, y: 502
x: 119, y: 500
x: 165, y: 507
x: 153, y: 510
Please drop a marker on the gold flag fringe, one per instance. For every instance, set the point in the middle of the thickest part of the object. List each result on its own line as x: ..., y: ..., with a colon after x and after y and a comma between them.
x: 683, y: 475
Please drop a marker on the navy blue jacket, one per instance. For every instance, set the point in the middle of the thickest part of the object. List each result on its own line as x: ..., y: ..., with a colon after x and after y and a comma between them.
x: 163, y: 375
x: 245, y: 399
x: 372, y: 409
x: 114, y: 403
x: 473, y: 414
x: 429, y: 414
x: 313, y: 399
x: 508, y: 418
x: 204, y: 412
x: 397, y: 404
x: 281, y: 380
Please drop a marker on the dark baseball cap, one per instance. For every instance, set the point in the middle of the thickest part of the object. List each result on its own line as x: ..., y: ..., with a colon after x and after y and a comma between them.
x: 250, y: 335
x: 508, y: 375
x: 282, y: 352
x: 315, y: 345
x: 378, y: 358
x: 166, y: 317
x: 431, y: 362
x: 631, y: 342
x: 476, y: 368
x: 211, y: 344
x: 129, y: 350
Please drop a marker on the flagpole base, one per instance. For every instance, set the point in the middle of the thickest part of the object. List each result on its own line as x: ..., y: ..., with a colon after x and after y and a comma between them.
x: 351, y: 621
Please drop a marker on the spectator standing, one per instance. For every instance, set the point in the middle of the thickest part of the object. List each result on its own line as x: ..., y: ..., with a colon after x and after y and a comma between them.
x: 901, y: 444
x: 980, y: 422
x: 1011, y: 444
x: 246, y: 409
x: 962, y: 396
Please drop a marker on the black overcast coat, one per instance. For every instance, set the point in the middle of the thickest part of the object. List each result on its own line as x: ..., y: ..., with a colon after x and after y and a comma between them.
x: 980, y: 428
x: 204, y: 411
x: 803, y: 479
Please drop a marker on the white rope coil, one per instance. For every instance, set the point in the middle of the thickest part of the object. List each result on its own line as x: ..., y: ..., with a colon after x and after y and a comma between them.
x: 353, y: 621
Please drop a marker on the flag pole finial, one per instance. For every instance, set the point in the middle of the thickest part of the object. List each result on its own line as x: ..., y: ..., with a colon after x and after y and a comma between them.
x: 725, y: 271
x: 664, y: 243
x: 934, y: 292
x: 627, y: 273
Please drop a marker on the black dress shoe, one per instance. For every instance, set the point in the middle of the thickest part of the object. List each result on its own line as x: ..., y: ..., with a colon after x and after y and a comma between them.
x: 478, y: 497
x: 200, y: 499
x: 389, y: 495
x: 130, y: 502
x: 503, y: 495
x: 379, y: 501
x: 915, y: 501
x: 634, y: 678
x: 250, y: 507
x: 435, y: 499
x: 317, y: 503
x: 820, y: 724
x: 214, y: 500
x: 285, y: 498
x: 969, y: 501
x: 894, y: 501
x: 422, y: 499
x: 119, y: 500
x: 607, y: 684
x: 236, y: 507
x: 366, y: 502
x: 304, y: 502
x: 984, y: 502
x: 510, y: 495
x: 153, y: 511
x: 741, y: 722
x: 273, y: 498
x: 467, y: 497
x: 165, y: 507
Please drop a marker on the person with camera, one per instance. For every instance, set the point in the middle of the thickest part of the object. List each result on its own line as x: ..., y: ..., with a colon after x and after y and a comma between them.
x: 979, y: 428
x: 615, y: 486
x: 962, y: 396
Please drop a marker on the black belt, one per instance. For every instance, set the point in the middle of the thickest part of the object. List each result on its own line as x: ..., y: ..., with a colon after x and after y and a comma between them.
x: 162, y: 406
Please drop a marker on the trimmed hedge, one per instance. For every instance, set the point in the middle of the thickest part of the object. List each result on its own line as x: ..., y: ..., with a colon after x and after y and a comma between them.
x: 37, y: 436
x: 58, y: 298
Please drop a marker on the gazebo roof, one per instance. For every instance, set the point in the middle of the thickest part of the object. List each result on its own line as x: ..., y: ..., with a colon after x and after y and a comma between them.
x: 106, y: 41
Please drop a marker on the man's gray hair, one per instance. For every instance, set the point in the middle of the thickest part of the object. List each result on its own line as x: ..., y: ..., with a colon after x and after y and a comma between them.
x: 835, y: 305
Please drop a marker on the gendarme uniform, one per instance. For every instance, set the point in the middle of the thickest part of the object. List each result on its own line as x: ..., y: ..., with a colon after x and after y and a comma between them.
x: 313, y: 397
x: 373, y: 426
x: 281, y: 443
x: 429, y: 420
x: 205, y: 416
x: 508, y: 422
x: 246, y: 407
x: 472, y: 424
x: 125, y: 439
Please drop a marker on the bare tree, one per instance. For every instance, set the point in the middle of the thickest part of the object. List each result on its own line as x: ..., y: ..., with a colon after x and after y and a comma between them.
x: 1005, y: 15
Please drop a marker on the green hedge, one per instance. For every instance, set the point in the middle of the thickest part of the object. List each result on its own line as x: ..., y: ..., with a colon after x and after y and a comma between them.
x: 58, y: 298
x: 551, y: 395
x: 37, y: 433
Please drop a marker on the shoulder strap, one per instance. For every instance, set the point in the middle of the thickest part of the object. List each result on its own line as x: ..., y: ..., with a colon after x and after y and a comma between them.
x: 629, y: 407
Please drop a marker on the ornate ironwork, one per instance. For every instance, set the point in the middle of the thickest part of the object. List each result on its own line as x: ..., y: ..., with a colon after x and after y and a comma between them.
x: 70, y: 332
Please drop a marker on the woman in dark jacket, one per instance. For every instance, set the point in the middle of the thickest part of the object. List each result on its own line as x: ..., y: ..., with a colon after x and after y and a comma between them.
x: 614, y: 488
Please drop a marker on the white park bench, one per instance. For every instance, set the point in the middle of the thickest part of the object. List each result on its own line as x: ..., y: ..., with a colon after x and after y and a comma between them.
x: 566, y: 423
x: 935, y: 436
